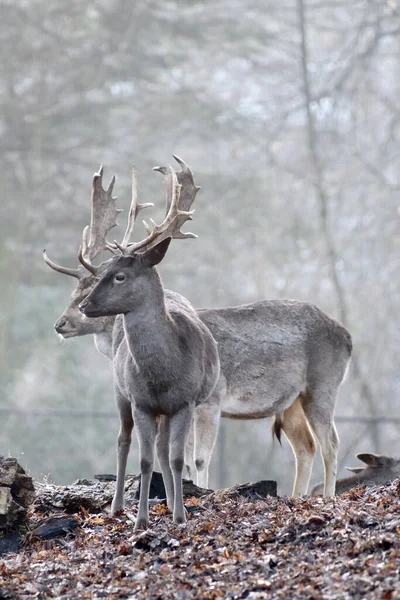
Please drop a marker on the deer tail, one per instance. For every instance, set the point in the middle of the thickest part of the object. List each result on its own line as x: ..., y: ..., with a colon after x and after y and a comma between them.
x: 277, y: 427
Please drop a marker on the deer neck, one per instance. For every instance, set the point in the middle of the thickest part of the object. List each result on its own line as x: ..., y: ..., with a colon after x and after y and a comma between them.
x: 148, y: 327
x: 103, y: 343
x: 103, y: 339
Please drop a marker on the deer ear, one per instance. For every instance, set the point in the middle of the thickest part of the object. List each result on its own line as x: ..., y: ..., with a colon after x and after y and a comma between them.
x: 155, y: 255
x: 355, y: 469
x: 368, y: 459
x: 374, y: 460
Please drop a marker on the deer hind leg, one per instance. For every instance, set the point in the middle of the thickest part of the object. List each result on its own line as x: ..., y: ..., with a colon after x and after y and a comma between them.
x: 146, y: 430
x: 162, y: 446
x: 206, y: 423
x: 319, y: 405
x: 123, y: 446
x: 190, y: 467
x: 179, y: 424
x: 298, y: 432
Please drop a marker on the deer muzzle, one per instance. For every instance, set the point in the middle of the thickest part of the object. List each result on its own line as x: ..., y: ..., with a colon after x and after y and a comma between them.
x: 88, y: 309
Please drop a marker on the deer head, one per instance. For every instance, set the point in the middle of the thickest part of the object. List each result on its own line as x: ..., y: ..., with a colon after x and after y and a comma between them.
x: 383, y: 466
x: 103, y: 218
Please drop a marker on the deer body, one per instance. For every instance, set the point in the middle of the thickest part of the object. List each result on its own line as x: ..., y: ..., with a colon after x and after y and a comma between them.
x: 161, y: 342
x: 269, y: 356
x: 379, y: 470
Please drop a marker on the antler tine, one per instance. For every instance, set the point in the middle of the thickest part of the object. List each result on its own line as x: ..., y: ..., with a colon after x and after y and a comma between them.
x: 83, y: 251
x: 185, y: 178
x: 168, y: 197
x: 65, y: 270
x: 189, y: 188
x: 103, y: 218
x: 134, y: 210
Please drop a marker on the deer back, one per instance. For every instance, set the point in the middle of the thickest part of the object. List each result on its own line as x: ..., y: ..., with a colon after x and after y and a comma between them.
x: 270, y: 348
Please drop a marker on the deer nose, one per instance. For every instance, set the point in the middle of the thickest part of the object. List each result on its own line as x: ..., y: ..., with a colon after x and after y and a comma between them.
x: 59, y: 326
x: 83, y: 305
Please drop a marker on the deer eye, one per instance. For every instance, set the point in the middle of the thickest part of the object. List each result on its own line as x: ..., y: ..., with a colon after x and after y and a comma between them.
x: 119, y: 277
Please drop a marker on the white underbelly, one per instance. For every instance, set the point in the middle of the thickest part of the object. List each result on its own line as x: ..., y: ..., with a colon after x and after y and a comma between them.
x: 248, y: 407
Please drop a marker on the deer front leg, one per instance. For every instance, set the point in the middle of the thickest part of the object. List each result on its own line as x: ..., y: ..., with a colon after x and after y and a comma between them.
x: 206, y: 424
x: 162, y: 445
x: 146, y: 429
x: 179, y: 430
x: 123, y: 446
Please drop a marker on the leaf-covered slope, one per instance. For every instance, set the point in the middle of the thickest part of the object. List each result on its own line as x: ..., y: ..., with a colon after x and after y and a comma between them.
x: 348, y: 547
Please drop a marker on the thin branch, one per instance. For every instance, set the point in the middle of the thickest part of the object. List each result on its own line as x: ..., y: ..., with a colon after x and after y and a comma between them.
x: 377, y: 173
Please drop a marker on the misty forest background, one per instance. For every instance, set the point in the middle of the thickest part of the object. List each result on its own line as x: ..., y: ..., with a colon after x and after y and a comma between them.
x: 289, y: 114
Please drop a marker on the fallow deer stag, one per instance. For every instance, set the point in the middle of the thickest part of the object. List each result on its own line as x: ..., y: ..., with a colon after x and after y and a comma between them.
x: 165, y: 359
x: 278, y: 358
x: 379, y: 469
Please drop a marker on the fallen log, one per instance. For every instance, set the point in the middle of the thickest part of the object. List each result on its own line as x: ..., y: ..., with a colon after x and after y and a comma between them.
x: 251, y: 491
x: 17, y: 492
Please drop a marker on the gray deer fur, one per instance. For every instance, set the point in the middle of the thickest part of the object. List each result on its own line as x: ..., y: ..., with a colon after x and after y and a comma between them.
x: 278, y: 358
x: 379, y: 469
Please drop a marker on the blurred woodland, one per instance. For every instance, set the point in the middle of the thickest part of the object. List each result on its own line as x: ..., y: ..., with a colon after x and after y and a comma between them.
x: 289, y: 115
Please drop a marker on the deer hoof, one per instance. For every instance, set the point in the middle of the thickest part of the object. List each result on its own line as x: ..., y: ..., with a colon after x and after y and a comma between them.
x: 141, y: 523
x: 116, y: 508
x: 180, y: 519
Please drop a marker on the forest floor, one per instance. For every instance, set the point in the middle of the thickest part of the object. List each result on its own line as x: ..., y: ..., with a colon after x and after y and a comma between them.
x: 231, y: 547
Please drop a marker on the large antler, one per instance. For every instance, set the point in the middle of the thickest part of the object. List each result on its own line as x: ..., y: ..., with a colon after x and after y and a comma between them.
x: 103, y: 219
x: 180, y: 192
